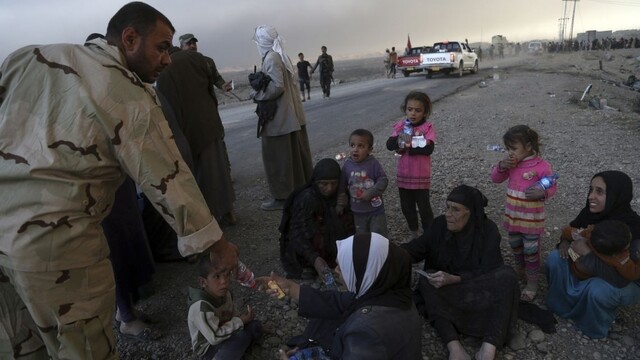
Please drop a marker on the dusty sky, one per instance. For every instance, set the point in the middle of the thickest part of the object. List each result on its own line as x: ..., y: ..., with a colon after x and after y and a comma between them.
x: 349, y: 28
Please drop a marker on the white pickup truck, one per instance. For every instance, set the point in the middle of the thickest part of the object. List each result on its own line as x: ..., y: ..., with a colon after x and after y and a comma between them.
x: 450, y: 57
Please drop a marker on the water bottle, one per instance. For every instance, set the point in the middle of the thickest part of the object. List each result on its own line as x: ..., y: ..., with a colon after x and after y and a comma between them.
x: 376, y: 201
x: 328, y: 279
x: 407, y: 131
x: 310, y: 353
x: 245, y: 276
x: 495, y: 147
x: 548, y: 181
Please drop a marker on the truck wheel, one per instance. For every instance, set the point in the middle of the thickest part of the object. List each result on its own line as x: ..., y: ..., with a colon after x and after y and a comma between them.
x: 460, y: 69
x: 475, y: 68
x: 406, y: 73
x: 429, y: 74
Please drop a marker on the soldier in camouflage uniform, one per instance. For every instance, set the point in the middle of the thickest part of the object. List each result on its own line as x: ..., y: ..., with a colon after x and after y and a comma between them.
x: 325, y: 61
x: 73, y: 120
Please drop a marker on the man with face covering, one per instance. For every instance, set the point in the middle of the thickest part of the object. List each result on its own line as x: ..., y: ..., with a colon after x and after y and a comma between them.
x: 285, y: 145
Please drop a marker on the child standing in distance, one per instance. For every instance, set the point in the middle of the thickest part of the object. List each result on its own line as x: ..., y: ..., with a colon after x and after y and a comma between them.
x: 303, y: 76
x: 413, y: 138
x: 217, y: 329
x: 524, y: 207
x: 362, y: 182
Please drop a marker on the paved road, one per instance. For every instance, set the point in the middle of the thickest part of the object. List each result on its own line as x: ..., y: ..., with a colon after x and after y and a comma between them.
x: 367, y: 104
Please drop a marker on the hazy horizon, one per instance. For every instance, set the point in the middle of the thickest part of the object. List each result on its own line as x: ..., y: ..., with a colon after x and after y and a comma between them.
x: 349, y: 28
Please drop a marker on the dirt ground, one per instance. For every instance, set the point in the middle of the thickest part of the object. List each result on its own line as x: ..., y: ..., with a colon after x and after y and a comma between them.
x: 543, y: 92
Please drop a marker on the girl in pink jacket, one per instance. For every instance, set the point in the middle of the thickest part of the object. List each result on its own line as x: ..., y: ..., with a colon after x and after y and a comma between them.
x: 413, y: 139
x: 524, y: 207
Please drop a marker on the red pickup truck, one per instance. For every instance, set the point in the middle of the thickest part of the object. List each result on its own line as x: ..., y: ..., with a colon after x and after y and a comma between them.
x: 412, y: 62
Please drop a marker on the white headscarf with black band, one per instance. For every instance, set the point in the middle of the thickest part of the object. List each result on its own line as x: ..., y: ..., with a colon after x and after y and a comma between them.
x: 377, y: 271
x: 267, y: 38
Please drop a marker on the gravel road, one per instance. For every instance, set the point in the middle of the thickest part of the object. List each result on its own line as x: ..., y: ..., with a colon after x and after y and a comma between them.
x: 542, y: 92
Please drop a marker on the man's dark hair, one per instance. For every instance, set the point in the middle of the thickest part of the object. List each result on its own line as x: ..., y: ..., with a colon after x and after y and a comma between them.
x: 364, y: 133
x: 610, y: 237
x: 94, y: 36
x: 300, y: 54
x: 140, y: 16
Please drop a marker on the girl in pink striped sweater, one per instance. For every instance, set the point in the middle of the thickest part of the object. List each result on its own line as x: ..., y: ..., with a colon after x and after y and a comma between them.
x: 524, y: 207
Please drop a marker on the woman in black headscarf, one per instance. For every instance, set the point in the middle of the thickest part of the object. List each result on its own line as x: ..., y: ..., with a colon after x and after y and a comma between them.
x: 467, y: 288
x: 592, y: 303
x: 375, y: 318
x: 310, y: 225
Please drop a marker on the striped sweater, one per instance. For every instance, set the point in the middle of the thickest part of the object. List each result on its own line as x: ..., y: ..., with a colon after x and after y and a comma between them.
x: 524, y: 215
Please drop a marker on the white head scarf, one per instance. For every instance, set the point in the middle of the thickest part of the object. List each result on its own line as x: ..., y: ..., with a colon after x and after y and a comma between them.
x: 378, y: 252
x: 267, y: 38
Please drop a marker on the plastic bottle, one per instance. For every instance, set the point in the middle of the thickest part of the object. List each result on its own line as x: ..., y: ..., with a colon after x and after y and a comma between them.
x: 245, y: 276
x: 495, y: 147
x: 548, y: 181
x: 407, y: 131
x: 376, y: 201
x: 328, y: 279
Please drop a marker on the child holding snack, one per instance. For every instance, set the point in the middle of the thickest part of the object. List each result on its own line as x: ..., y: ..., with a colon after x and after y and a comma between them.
x: 217, y: 329
x: 524, y: 208
x: 413, y: 138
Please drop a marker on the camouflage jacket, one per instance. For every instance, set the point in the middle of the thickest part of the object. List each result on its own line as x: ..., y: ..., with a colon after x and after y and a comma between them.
x: 73, y: 120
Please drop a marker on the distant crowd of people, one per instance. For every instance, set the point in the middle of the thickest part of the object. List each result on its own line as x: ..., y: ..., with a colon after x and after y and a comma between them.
x: 102, y: 173
x: 515, y: 49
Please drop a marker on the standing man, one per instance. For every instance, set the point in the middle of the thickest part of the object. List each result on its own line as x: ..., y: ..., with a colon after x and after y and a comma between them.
x: 393, y: 62
x: 74, y: 120
x: 285, y: 144
x: 325, y: 61
x: 303, y: 76
x: 386, y: 60
x: 188, y: 85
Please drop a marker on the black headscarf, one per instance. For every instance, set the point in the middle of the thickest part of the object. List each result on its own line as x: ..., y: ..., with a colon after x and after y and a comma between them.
x: 474, y: 200
x: 325, y: 169
x: 466, y: 245
x: 617, y: 205
x: 392, y: 285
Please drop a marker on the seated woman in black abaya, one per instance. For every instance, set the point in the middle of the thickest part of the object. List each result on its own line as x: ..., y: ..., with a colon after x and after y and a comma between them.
x: 468, y: 289
x: 310, y: 225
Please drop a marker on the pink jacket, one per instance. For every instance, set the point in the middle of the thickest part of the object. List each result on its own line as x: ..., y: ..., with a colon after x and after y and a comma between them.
x: 414, y: 171
x: 520, y: 214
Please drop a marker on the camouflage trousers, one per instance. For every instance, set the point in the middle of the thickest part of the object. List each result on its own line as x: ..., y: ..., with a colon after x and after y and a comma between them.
x: 65, y: 313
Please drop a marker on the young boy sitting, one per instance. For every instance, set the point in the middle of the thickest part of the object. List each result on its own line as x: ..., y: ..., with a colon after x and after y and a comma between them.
x: 609, y: 243
x: 215, y: 327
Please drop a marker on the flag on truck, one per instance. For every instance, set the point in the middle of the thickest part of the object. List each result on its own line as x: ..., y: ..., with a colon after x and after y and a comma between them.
x: 408, y: 49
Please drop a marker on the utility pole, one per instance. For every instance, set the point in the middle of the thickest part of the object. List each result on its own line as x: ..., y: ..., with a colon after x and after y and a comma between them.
x: 562, y: 25
x: 563, y: 21
x: 572, y: 16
